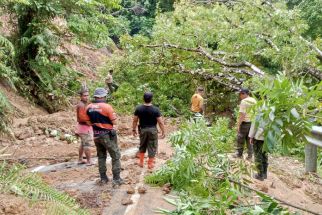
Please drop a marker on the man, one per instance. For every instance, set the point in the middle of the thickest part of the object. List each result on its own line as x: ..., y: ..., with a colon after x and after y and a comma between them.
x: 109, y: 82
x: 149, y: 116
x: 197, y: 106
x: 244, y: 123
x: 256, y: 135
x: 84, y: 129
x: 103, y: 119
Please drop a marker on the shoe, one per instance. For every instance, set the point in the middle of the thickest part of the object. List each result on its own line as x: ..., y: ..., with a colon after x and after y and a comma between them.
x: 151, y: 163
x: 259, y: 177
x: 249, y: 158
x: 141, y: 159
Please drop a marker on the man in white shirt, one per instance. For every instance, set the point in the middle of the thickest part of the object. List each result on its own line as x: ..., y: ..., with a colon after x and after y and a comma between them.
x: 244, y: 123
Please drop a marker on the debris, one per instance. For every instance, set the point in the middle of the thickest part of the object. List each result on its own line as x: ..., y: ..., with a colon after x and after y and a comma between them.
x: 130, y: 190
x: 142, y: 190
x: 272, y: 185
x: 127, y: 201
x: 166, y: 188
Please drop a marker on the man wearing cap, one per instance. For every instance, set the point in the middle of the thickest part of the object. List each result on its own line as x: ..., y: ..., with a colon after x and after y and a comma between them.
x: 197, y: 107
x: 103, y: 119
x: 149, y: 116
x: 244, y: 123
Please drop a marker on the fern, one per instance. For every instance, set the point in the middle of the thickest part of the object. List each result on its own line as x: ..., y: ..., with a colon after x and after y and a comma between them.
x: 13, y: 179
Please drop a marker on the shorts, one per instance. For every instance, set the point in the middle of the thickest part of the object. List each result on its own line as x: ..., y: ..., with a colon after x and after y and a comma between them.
x: 86, y: 140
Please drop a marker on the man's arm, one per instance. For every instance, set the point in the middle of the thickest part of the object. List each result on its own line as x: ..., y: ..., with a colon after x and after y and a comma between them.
x: 134, y: 125
x: 161, y: 125
x: 201, y: 105
x: 240, y: 120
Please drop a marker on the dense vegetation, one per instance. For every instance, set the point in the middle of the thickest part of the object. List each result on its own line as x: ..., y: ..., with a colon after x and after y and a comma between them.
x: 201, y: 170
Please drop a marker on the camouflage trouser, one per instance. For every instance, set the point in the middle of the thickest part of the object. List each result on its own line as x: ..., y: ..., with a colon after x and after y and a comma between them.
x: 242, y: 138
x: 104, y: 143
x: 261, y: 160
x: 149, y: 140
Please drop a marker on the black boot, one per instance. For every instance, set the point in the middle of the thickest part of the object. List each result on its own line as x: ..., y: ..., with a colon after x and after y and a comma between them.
x: 259, y: 176
x: 104, y: 178
x: 117, y: 180
x: 265, y: 172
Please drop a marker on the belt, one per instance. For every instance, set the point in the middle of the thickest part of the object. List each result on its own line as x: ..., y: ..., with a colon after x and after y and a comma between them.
x: 246, y: 122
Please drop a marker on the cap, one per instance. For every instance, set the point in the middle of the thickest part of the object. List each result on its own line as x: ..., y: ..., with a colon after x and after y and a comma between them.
x: 244, y: 91
x: 100, y: 92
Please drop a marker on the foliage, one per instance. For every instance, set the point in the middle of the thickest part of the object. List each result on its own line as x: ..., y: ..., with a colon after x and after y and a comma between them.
x: 141, y: 14
x: 311, y: 11
x: 14, y: 180
x: 41, y: 27
x: 201, y: 172
x: 287, y: 107
x: 265, y: 35
x: 4, y: 112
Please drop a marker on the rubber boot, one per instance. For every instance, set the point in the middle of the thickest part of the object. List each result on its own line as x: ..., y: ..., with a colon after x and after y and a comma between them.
x: 259, y: 176
x: 141, y: 159
x: 117, y: 180
x: 151, y: 163
x: 104, y: 178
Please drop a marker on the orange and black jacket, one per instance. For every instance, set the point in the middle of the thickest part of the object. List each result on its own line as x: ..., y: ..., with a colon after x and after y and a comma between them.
x: 101, y: 116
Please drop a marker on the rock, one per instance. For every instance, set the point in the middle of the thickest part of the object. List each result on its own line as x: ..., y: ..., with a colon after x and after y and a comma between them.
x: 24, y: 133
x: 126, y: 201
x: 53, y: 133
x: 130, y: 190
x: 166, y: 188
x: 142, y: 190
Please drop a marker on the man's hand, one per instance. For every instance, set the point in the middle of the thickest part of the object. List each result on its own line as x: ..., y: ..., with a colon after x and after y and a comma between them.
x: 162, y: 136
x: 251, y: 141
x: 134, y: 132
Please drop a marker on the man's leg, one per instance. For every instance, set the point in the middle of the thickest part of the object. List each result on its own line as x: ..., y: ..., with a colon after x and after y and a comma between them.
x: 240, y: 142
x: 115, y: 154
x: 110, y: 87
x: 143, y: 146
x: 101, y: 154
x: 152, y: 146
x: 81, y: 150
x: 115, y: 86
x: 258, y: 147
x: 87, y: 144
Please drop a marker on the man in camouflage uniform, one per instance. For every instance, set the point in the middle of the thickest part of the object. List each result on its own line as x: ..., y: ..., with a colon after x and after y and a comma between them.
x: 103, y: 119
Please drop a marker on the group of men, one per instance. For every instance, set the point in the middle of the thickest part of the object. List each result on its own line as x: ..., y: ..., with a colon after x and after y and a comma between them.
x: 247, y: 131
x: 98, y: 120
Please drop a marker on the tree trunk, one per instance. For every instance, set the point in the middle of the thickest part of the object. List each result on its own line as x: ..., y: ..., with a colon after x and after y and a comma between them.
x: 310, y: 158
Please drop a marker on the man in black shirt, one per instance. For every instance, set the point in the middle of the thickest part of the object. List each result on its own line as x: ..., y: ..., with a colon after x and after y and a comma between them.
x: 149, y: 116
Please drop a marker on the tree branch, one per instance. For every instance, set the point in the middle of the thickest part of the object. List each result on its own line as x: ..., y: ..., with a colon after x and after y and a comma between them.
x: 201, y: 51
x: 312, y: 46
x: 315, y: 73
x: 213, y: 77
